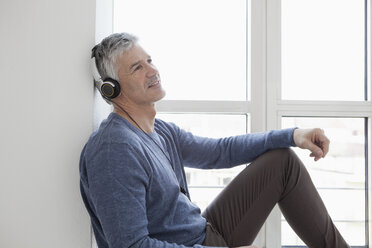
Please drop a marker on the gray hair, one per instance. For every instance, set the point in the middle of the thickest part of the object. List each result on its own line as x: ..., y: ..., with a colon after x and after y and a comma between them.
x: 107, y: 52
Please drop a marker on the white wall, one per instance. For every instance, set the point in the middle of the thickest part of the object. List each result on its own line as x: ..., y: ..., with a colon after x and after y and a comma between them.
x: 46, y: 115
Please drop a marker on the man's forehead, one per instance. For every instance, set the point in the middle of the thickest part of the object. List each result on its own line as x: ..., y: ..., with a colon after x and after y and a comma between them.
x: 135, y: 53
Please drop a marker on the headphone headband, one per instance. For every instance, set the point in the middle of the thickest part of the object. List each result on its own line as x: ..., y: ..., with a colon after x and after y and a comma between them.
x: 96, y: 75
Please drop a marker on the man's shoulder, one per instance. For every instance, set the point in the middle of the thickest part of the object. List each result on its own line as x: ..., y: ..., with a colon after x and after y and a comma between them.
x: 113, y: 131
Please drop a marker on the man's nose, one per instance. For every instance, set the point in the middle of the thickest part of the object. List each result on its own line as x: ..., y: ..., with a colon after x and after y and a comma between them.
x: 151, y: 70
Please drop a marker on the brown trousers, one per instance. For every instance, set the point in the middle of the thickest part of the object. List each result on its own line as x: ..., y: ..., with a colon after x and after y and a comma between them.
x: 278, y: 176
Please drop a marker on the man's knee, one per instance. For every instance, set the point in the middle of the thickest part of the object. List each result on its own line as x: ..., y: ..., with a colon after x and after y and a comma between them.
x: 281, y: 158
x: 280, y: 154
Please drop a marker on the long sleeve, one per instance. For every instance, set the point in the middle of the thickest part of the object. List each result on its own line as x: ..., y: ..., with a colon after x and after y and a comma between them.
x: 207, y: 153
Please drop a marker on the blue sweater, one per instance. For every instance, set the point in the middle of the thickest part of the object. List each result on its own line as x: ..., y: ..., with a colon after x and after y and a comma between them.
x: 132, y: 193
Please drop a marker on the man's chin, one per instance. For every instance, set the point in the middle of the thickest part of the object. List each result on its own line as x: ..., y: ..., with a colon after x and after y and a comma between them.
x: 161, y: 96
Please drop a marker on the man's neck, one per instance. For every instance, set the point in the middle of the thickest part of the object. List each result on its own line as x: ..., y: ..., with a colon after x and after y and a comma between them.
x: 142, y: 117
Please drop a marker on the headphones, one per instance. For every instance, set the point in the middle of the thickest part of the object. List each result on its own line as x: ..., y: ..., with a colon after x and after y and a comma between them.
x: 110, y: 88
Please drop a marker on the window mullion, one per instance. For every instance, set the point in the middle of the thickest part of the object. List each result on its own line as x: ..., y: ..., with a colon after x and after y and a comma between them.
x: 325, y: 108
x: 258, y: 65
x: 273, y: 96
x: 258, y: 84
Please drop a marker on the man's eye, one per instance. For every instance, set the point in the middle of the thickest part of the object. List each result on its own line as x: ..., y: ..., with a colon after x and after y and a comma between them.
x: 137, y: 68
x: 149, y: 61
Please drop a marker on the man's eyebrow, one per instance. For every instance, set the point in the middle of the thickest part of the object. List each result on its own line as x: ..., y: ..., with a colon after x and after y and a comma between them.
x: 138, y: 62
x: 133, y: 65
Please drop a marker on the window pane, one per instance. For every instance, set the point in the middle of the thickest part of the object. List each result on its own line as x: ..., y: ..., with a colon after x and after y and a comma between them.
x: 208, y: 125
x: 352, y: 232
x: 203, y: 196
x: 334, y: 199
x: 199, y: 47
x: 323, y: 49
x: 340, y: 176
x: 206, y: 184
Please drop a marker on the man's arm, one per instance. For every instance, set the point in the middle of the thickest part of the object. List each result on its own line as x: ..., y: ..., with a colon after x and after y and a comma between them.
x: 207, y: 153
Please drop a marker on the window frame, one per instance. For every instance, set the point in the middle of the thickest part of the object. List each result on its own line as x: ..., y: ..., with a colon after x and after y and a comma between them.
x: 264, y: 104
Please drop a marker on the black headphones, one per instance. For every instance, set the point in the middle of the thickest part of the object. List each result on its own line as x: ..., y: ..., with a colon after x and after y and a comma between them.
x: 110, y: 88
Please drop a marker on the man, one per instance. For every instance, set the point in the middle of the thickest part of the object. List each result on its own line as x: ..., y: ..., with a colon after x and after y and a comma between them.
x: 132, y: 169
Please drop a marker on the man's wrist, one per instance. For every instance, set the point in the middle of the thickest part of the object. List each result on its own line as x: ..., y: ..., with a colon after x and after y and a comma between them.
x: 293, y: 136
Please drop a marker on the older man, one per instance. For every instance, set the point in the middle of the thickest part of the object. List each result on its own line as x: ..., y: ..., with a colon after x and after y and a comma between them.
x: 132, y: 169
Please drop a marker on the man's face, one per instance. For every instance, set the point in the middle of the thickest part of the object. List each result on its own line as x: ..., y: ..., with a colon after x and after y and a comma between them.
x: 138, y: 77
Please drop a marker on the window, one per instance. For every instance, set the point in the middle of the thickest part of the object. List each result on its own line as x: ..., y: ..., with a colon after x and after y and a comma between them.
x: 323, y: 65
x: 257, y: 65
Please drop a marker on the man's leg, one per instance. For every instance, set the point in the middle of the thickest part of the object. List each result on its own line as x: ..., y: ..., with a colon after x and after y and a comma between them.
x: 278, y: 176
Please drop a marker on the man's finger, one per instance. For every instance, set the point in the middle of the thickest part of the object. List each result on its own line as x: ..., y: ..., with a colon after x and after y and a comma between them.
x: 323, y: 143
x: 316, y: 151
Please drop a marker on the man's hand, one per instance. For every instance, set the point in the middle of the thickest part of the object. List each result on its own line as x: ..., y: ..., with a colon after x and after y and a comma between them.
x: 313, y: 140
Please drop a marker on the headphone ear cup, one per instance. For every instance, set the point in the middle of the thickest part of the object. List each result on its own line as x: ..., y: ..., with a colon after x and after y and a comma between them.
x: 110, y: 88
